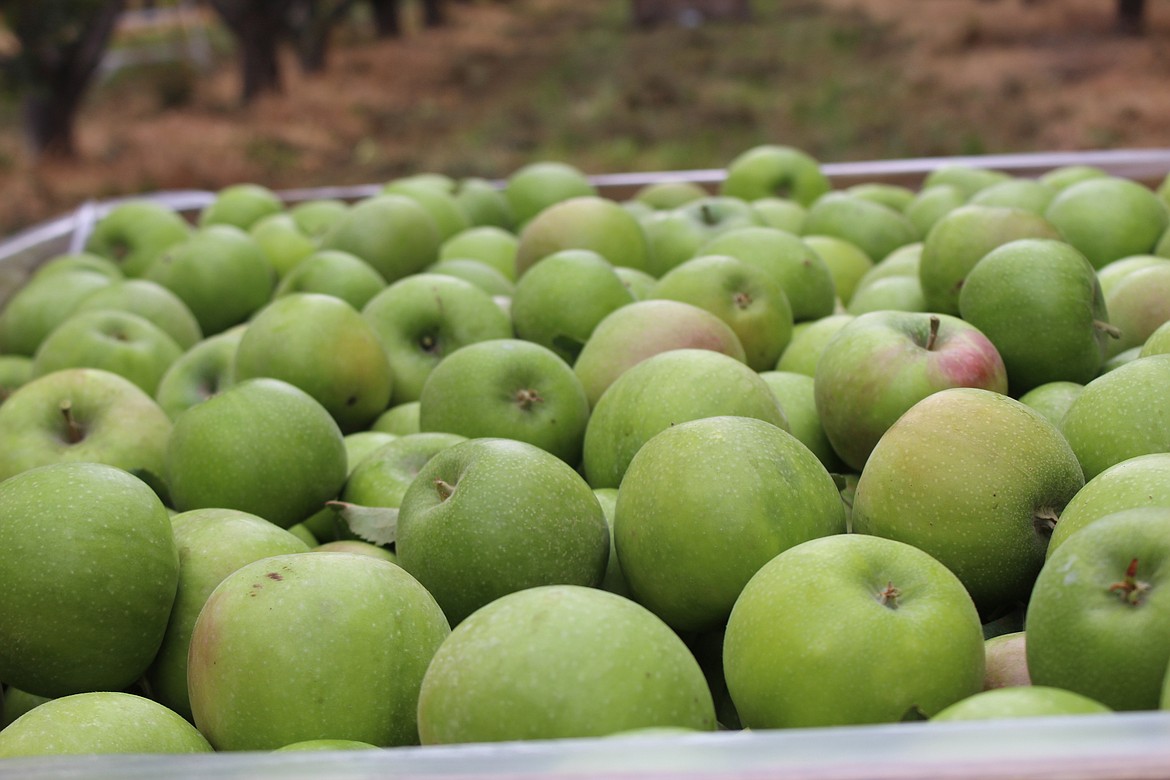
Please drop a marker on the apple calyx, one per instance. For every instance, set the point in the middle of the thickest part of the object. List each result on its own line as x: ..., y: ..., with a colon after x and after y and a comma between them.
x: 888, y: 597
x: 429, y: 343
x: 1044, y: 520
x: 1131, y: 590
x: 444, y: 489
x: 741, y: 300
x: 374, y: 524
x: 1112, y: 331
x: 74, y: 433
x: 526, y: 398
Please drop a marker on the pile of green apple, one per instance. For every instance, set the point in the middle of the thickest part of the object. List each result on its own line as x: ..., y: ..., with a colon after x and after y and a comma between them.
x: 464, y: 462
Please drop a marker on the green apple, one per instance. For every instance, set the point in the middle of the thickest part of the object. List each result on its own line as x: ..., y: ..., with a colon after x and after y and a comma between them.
x: 486, y: 243
x: 116, y: 341
x: 484, y: 203
x: 100, y: 723
x: 315, y: 217
x: 151, y: 301
x: 449, y: 217
x: 1108, y: 218
x: 808, y: 343
x: 630, y: 334
x: 479, y: 273
x: 847, y: 263
x: 797, y: 398
x: 1040, y: 304
x: 507, y: 388
x: 675, y: 498
x: 220, y: 273
x: 199, y: 373
x: 534, y: 187
x: 932, y: 204
x: 880, y: 364
x: 1052, y: 399
x: 961, y: 238
x: 639, y: 283
x: 212, y: 544
x: 968, y: 179
x: 1031, y: 701
x: 282, y: 241
x: 80, y: 261
x: 312, y: 646
x: 336, y: 273
x: 802, y: 273
x: 666, y: 195
x: 400, y: 419
x: 1138, y: 305
x: 1067, y: 175
x: 588, y: 222
x: 772, y: 170
x: 1019, y: 193
x: 1131, y: 484
x: 83, y: 414
x: 851, y: 629
x: 874, y: 228
x: 560, y: 661
x: 1098, y: 622
x: 325, y: 347
x: 487, y: 517
x: 676, y: 235
x: 1158, y: 342
x: 561, y: 299
x: 1111, y: 274
x: 382, y: 477
x: 613, y: 581
x: 781, y: 213
x: 392, y: 233
x: 899, y: 263
x: 890, y: 293
x: 361, y: 443
x: 357, y: 547
x: 240, y: 205
x: 91, y: 547
x: 15, y: 370
x: 134, y: 233
x: 745, y: 296
x: 1111, y: 420
x: 37, y: 308
x: 325, y: 744
x: 1007, y: 661
x: 659, y: 392
x: 893, y: 196
x: 425, y: 317
x: 976, y: 480
x: 261, y: 446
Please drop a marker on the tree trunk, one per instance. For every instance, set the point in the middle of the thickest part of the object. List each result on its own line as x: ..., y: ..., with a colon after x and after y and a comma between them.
x: 434, y: 14
x: 310, y: 24
x: 1131, y: 16
x: 58, y: 74
x: 258, y: 26
x: 386, y: 21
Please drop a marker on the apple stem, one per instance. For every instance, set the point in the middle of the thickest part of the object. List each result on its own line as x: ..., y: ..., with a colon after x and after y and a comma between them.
x: 444, y: 489
x: 1131, y: 589
x: 935, y: 322
x: 889, y: 596
x: 73, y: 431
x: 708, y: 215
x: 1112, y: 331
x: 1044, y: 520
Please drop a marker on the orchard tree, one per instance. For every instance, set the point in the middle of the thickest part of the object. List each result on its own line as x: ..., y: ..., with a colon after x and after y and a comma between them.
x: 61, y: 45
x: 258, y: 27
x: 1131, y: 16
x: 310, y: 24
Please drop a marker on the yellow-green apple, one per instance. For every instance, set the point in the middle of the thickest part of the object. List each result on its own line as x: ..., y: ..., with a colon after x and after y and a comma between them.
x: 507, y: 388
x: 425, y: 317
x: 240, y: 205
x: 487, y: 517
x: 666, y: 195
x: 961, y: 238
x: 797, y: 396
x: 896, y: 636
x: 1052, y: 399
x: 1040, y: 304
x: 808, y: 342
x: 1138, y: 305
x: 399, y: 419
x: 325, y: 347
x: 150, y: 301
x: 772, y: 170
x: 534, y: 187
x: 282, y: 241
x: 977, y: 480
x: 782, y: 213
x: 659, y: 393
x: 880, y: 364
x: 1067, y: 175
x: 588, y: 222
x: 312, y: 646
x: 79, y: 261
x: 1098, y: 620
x: 15, y: 370
x: 134, y: 233
x: 890, y: 293
x: 745, y: 296
x: 560, y: 661
x: 675, y: 498
x: 932, y: 204
x: 968, y: 179
x: 315, y: 217
x: 37, y: 308
x: 261, y: 446
x: 392, y: 233
x: 212, y: 544
x: 91, y: 546
x: 479, y: 273
x: 1115, y: 417
x: 1007, y: 661
x: 83, y: 414
x: 484, y: 203
x: 1108, y: 218
x: 382, y: 477
x: 100, y: 723
x: 336, y: 273
x: 486, y: 243
x: 1024, y: 701
x: 875, y: 228
x: 561, y: 299
x: 439, y: 202
x: 847, y: 263
x: 613, y: 581
x: 221, y: 274
x: 199, y: 373
x: 1111, y: 274
x: 1019, y: 193
x: 894, y: 196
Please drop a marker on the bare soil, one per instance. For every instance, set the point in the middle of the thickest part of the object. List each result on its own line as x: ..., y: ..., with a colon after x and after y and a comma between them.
x: 910, y: 77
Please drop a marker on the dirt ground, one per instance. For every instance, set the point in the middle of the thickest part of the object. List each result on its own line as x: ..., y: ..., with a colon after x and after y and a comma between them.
x: 1034, y: 74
